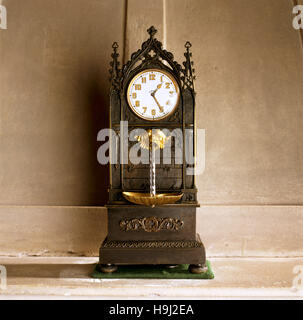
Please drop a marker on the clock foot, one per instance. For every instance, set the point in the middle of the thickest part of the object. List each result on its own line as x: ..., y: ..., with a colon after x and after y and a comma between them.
x: 171, y: 266
x: 107, y: 268
x: 197, y: 268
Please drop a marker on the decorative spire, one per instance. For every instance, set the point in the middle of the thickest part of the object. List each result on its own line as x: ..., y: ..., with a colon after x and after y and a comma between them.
x: 188, y: 71
x: 152, y: 31
x: 187, y: 45
x: 150, y: 53
x: 115, y: 71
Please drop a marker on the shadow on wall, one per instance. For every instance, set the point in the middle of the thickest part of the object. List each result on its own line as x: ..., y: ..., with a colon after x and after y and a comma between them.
x: 95, y: 95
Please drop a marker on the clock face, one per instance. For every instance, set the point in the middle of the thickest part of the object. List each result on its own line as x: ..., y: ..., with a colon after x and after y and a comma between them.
x: 153, y: 94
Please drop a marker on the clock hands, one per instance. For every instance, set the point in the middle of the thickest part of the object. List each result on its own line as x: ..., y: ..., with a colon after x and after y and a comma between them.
x: 158, y: 104
x: 153, y: 95
x: 154, y: 91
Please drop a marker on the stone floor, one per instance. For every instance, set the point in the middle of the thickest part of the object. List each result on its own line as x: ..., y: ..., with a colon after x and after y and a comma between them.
x: 69, y: 278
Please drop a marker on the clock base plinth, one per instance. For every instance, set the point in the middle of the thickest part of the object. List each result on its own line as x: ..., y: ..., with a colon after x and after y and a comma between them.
x: 167, y: 252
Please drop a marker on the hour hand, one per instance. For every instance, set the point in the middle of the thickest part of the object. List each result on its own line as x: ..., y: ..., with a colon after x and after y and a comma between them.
x: 158, y: 87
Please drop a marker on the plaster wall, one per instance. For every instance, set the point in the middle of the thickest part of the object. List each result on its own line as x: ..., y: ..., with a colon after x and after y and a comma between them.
x: 54, y: 61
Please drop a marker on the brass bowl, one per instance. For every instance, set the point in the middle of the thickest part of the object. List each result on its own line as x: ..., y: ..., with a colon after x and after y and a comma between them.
x: 147, y: 199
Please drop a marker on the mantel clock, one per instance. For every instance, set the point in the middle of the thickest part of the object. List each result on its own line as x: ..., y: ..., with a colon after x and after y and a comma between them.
x: 152, y: 205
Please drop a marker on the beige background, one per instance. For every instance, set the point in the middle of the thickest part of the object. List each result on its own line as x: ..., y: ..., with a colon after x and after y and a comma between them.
x: 54, y: 61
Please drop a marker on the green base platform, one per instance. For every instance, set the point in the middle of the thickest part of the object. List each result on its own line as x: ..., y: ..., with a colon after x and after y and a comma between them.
x: 153, y: 272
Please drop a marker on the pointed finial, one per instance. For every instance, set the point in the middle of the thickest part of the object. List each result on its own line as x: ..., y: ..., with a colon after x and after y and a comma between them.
x: 188, y: 71
x: 187, y: 45
x: 115, y: 71
x: 152, y: 31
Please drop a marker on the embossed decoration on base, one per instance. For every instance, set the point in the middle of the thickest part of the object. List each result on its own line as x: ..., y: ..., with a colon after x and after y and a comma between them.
x: 151, y: 244
x: 151, y: 224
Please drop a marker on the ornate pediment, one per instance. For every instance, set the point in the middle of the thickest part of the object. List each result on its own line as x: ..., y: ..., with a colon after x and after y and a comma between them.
x: 152, y: 55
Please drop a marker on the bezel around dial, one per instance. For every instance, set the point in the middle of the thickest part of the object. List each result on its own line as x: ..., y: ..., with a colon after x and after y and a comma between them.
x: 172, y: 79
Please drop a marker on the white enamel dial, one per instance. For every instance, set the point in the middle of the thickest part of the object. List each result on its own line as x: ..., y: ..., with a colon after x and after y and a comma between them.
x: 153, y: 94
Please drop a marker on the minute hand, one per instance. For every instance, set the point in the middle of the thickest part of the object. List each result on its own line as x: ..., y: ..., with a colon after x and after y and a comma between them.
x: 153, y: 95
x: 157, y: 102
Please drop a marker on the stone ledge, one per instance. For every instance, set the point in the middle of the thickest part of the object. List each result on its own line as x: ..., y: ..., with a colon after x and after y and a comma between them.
x: 68, y: 278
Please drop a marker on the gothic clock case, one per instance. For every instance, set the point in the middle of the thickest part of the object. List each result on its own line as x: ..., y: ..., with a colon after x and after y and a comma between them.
x: 165, y: 234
